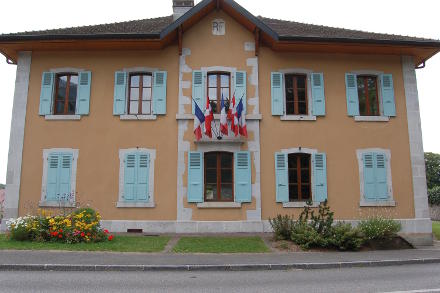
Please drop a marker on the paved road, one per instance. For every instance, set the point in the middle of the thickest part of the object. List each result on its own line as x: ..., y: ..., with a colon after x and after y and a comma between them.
x: 379, y: 279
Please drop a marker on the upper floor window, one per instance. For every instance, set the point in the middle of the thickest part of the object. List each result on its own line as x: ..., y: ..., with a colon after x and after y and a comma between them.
x: 219, y: 84
x: 296, y: 94
x: 219, y: 176
x: 140, y: 93
x: 66, y: 93
x: 299, y: 177
x: 368, y: 95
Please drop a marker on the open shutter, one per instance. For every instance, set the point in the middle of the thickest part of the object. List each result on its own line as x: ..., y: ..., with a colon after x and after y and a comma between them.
x: 142, y: 177
x: 381, y: 177
x: 388, y: 103
x: 120, y: 93
x: 130, y: 176
x: 318, y: 97
x: 240, y: 88
x: 320, y: 176
x: 83, y: 93
x: 160, y: 93
x: 198, y: 90
x: 53, y: 162
x: 369, y: 177
x: 277, y: 93
x: 47, y: 85
x: 352, y: 94
x: 243, y: 187
x: 195, y: 177
x: 65, y: 173
x: 281, y: 177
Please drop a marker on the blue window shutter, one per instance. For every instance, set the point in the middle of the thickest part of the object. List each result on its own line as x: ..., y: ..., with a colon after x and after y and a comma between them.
x: 243, y: 186
x: 277, y: 93
x: 130, y: 164
x: 388, y: 102
x: 83, y: 93
x: 160, y: 92
x: 281, y: 178
x: 198, y: 90
x: 369, y: 176
x: 240, y: 88
x: 320, y: 176
x: 46, y: 95
x: 195, y: 177
x: 318, y: 97
x: 65, y: 173
x: 381, y: 176
x: 53, y: 162
x: 120, y: 93
x: 143, y: 168
x: 352, y: 94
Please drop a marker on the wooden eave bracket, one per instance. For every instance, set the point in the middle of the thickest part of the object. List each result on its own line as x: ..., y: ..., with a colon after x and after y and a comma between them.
x: 180, y: 39
x: 257, y: 34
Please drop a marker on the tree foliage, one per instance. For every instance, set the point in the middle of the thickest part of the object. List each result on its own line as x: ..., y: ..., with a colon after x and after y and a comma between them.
x: 432, y: 163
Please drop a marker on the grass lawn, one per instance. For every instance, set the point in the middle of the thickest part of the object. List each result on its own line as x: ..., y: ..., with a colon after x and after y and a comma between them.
x: 119, y: 243
x: 213, y: 244
x: 436, y: 229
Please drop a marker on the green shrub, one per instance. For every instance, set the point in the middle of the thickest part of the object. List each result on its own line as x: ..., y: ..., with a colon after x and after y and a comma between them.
x: 304, y: 235
x: 282, y: 226
x: 379, y: 228
x: 434, y: 195
x: 345, y: 237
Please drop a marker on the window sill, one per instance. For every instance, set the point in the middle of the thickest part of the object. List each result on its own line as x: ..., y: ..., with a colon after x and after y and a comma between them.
x: 383, y: 203
x: 124, y: 204
x: 299, y: 204
x: 371, y: 118
x: 138, y: 117
x: 298, y: 118
x: 56, y: 204
x: 219, y: 205
x: 62, y: 117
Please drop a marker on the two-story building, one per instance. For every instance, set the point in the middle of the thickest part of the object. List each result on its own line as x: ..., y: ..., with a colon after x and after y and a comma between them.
x: 103, y: 116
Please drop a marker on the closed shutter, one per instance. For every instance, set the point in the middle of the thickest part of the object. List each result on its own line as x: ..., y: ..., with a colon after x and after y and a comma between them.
x: 130, y: 177
x: 381, y: 177
x: 142, y: 177
x: 388, y: 101
x: 240, y: 88
x: 160, y: 93
x: 46, y: 95
x: 352, y: 94
x: 83, y: 93
x: 195, y: 177
x: 53, y: 162
x: 243, y: 187
x: 65, y: 172
x: 277, y: 93
x: 198, y: 90
x: 320, y: 176
x: 281, y: 178
x: 318, y: 108
x: 120, y: 93
x: 369, y: 176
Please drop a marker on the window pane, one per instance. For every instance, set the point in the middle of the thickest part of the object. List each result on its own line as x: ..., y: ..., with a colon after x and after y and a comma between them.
x: 301, y: 95
x: 226, y: 190
x: 292, y: 161
x: 211, y: 160
x: 59, y: 107
x: 293, y: 192
x: 225, y: 93
x: 71, y: 106
x: 212, y: 80
x: 134, y: 107
x: 146, y: 107
x: 146, y: 94
x: 289, y: 95
x: 289, y: 81
x: 146, y: 81
x: 211, y: 191
x: 134, y: 94
x: 293, y: 176
x: 302, y: 108
x: 227, y: 176
x: 305, y: 176
x: 301, y: 82
x: 226, y: 160
x: 372, y: 95
x: 134, y: 81
x: 73, y: 87
x: 211, y: 176
x: 62, y: 84
x: 212, y: 94
x: 224, y: 80
x: 290, y: 108
x: 305, y: 160
x: 362, y: 97
x: 305, y: 192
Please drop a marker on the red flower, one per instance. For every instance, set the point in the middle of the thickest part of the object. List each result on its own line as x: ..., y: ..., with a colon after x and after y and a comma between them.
x: 60, y: 236
x: 88, y: 234
x: 82, y: 234
x: 61, y: 230
x: 55, y: 233
x: 106, y: 231
x: 110, y: 238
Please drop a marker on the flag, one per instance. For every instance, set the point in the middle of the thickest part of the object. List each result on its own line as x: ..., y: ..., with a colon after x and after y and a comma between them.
x: 241, y: 119
x: 223, y: 120
x: 199, y: 118
x: 209, y: 116
x: 233, y: 118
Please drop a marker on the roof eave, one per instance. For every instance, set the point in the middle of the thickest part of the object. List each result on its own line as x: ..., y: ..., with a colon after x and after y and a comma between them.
x: 16, y: 38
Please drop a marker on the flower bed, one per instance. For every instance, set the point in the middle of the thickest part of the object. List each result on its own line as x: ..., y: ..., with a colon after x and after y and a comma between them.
x: 81, y: 225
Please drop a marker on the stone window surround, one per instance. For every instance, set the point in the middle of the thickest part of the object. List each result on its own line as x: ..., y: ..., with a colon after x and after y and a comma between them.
x: 131, y: 117
x: 383, y: 203
x: 121, y: 202
x: 53, y: 117
x: 381, y: 117
x: 311, y: 152
x: 51, y: 203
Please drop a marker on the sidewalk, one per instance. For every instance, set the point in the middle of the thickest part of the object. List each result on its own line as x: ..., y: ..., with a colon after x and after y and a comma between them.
x: 109, y: 261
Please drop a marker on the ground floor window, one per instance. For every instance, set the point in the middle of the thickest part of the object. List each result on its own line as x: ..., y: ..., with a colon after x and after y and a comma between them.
x: 299, y: 177
x: 219, y: 176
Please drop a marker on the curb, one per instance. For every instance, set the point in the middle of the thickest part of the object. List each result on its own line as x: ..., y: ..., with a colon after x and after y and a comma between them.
x: 224, y: 267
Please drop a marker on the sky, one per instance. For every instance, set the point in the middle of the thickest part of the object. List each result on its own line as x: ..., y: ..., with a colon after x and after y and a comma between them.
x: 403, y: 17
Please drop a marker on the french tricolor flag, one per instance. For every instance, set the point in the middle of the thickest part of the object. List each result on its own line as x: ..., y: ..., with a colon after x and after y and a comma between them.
x: 209, y: 116
x: 233, y: 117
x: 199, y: 118
x: 241, y: 115
x: 223, y: 118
